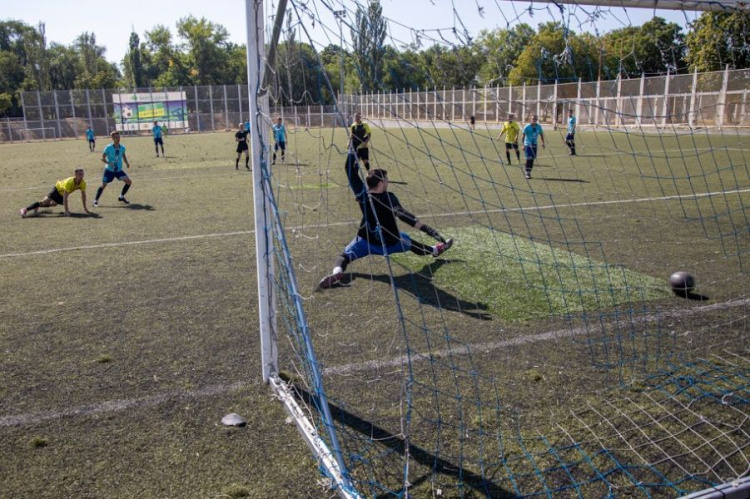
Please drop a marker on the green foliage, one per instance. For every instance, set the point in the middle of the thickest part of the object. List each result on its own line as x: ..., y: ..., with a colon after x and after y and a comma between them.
x: 653, y: 48
x: 450, y: 67
x: 718, y: 39
x: 207, y: 53
x: 368, y: 45
x: 500, y: 50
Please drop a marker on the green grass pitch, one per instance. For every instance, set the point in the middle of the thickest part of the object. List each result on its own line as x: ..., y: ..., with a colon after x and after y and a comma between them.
x: 127, y: 335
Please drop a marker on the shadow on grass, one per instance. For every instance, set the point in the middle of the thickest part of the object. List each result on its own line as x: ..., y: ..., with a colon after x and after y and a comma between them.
x: 690, y: 295
x: 50, y: 214
x: 138, y: 206
x: 396, y: 443
x: 420, y: 285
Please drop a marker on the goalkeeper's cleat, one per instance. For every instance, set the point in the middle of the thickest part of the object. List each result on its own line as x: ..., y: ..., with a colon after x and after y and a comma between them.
x: 441, y: 248
x: 329, y: 281
x: 96, y: 203
x: 23, y: 212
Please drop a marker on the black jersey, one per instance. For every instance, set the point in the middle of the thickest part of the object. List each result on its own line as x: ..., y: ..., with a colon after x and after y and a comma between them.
x: 241, y: 136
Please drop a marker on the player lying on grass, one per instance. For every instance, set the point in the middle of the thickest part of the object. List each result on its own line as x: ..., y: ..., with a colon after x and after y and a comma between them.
x: 59, y: 194
x: 378, y: 232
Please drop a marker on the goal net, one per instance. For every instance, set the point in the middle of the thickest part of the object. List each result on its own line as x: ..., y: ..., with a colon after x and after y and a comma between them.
x: 544, y: 354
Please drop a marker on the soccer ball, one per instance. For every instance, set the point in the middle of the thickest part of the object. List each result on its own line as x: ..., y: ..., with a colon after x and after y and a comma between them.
x: 682, y: 283
x: 126, y: 112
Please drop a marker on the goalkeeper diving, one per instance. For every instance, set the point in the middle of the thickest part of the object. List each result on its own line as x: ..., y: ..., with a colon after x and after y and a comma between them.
x: 378, y: 232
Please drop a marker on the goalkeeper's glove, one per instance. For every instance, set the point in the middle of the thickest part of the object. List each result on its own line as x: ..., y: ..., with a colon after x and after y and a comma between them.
x: 431, y: 232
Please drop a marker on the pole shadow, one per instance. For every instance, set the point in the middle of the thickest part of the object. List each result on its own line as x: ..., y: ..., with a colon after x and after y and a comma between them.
x: 480, y: 484
x: 552, y: 179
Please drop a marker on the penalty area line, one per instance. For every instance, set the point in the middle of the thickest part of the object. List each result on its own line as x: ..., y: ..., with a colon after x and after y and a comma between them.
x: 350, y: 222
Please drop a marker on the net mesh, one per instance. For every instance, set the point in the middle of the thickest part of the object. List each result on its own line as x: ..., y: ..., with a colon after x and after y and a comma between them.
x: 544, y: 354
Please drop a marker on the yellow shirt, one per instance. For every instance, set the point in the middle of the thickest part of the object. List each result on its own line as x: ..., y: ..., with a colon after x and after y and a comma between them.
x: 69, y: 185
x: 511, y: 130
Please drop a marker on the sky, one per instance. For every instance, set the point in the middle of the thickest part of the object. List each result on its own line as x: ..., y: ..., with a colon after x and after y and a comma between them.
x: 113, y: 23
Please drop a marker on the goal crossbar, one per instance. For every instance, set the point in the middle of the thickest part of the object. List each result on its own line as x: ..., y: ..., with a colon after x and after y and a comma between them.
x: 698, y: 5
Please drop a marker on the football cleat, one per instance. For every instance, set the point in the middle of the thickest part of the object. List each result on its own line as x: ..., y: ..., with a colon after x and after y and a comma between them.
x: 329, y: 280
x: 123, y: 200
x: 443, y: 247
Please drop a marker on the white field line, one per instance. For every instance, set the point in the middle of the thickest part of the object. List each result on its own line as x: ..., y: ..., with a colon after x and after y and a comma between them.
x: 349, y: 222
x: 522, y: 340
x: 125, y: 404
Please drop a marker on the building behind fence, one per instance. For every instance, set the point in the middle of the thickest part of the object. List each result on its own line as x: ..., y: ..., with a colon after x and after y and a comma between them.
x: 717, y: 99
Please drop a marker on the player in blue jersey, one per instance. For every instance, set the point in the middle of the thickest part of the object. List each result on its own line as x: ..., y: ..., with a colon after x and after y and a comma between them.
x: 530, y: 136
x: 158, y: 140
x: 378, y: 232
x: 570, y: 138
x: 112, y: 157
x: 91, y: 139
x: 279, y: 137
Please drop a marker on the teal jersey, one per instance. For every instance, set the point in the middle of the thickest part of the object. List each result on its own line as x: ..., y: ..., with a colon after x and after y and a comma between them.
x: 572, y: 124
x: 279, y: 133
x: 156, y: 131
x: 114, y: 157
x: 89, y: 134
x: 531, y: 134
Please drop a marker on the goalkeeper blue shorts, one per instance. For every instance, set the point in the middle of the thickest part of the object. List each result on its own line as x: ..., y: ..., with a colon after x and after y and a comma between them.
x: 359, y: 247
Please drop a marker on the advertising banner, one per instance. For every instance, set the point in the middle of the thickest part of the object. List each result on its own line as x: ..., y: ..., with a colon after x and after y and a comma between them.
x: 138, y: 111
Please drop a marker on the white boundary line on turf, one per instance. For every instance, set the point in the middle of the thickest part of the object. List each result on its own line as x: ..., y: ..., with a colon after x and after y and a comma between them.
x: 522, y: 340
x: 460, y: 213
x: 124, y: 404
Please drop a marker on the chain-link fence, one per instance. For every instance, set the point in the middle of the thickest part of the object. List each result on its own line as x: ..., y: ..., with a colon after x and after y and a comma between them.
x: 717, y: 99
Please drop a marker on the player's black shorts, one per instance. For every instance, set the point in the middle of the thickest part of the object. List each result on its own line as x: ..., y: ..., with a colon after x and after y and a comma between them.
x: 92, y: 141
x: 241, y: 147
x: 279, y: 145
x: 472, y: 120
x: 570, y: 137
x: 511, y: 145
x: 55, y: 196
x: 364, y: 154
x: 159, y: 141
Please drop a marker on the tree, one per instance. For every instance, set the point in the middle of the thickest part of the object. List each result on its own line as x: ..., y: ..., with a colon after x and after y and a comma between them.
x: 718, y: 39
x: 456, y: 66
x: 368, y: 45
x: 653, y: 48
x: 95, y: 70
x: 132, y: 64
x: 163, y: 64
x: 500, y: 49
x: 555, y: 54
x: 207, y: 49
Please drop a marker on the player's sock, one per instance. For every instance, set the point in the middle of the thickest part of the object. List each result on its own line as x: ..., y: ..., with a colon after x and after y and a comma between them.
x: 507, y: 155
x: 274, y: 159
x: 99, y: 193
x: 367, y: 166
x: 237, y: 164
x: 529, y: 165
x: 33, y: 206
x: 573, y: 148
x: 518, y: 157
x: 247, y: 163
x: 124, y: 190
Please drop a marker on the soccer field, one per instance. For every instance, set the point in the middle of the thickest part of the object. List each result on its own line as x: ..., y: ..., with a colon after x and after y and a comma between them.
x: 128, y: 334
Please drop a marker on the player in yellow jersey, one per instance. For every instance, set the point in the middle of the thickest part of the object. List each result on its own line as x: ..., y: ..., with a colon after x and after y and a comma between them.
x: 59, y: 194
x: 511, y: 129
